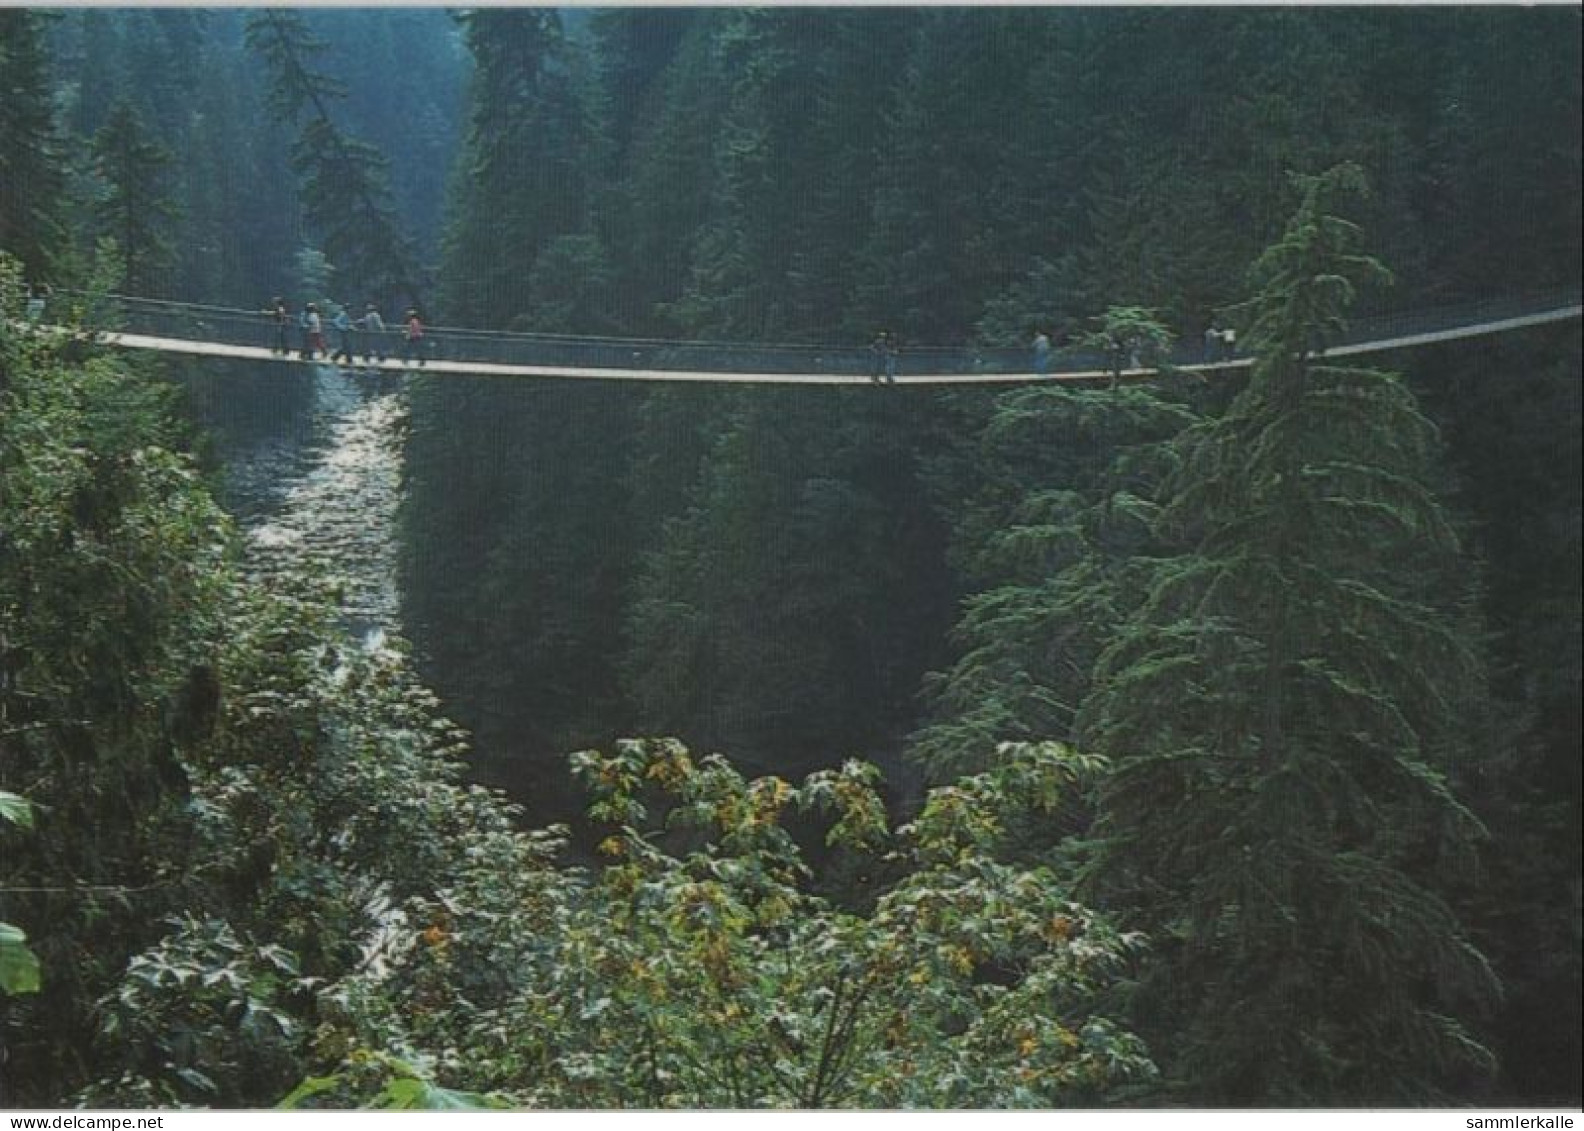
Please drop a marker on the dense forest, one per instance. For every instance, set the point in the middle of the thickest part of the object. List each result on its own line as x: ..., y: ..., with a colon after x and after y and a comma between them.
x: 1197, y: 741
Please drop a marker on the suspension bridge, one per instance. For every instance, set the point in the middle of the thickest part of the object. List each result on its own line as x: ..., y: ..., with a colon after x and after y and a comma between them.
x: 197, y: 330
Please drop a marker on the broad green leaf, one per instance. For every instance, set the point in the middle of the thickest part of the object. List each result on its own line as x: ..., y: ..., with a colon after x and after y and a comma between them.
x: 16, y: 809
x: 309, y: 1088
x: 434, y: 1098
x: 19, y: 966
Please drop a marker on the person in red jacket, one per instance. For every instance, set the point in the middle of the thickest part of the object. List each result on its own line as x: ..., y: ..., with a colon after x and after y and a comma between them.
x: 413, y: 337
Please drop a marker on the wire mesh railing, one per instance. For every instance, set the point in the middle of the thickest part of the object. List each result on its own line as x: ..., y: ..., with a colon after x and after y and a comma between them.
x: 183, y: 321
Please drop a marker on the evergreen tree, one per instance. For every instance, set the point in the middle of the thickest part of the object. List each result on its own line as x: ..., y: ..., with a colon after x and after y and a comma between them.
x: 663, y: 199
x: 226, y: 214
x: 136, y: 209
x: 634, y: 46
x: 1284, y: 711
x: 30, y: 205
x: 734, y: 284
x: 790, y: 609
x: 570, y: 285
x: 1052, y: 518
x: 790, y: 184
x: 109, y: 566
x: 523, y: 179
x: 91, y: 59
x: 850, y: 63
x: 1514, y: 411
x: 517, y: 555
x: 404, y: 72
x: 961, y: 169
x: 346, y: 191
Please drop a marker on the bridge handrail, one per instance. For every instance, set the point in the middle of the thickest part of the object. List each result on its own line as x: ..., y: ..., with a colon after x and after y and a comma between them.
x: 171, y: 318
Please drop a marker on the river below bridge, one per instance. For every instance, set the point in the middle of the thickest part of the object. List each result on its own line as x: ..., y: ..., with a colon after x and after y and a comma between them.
x: 312, y: 463
x: 312, y: 470
x: 312, y: 467
x: 327, y: 503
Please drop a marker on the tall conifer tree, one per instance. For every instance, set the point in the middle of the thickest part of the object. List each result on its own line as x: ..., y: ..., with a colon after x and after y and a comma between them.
x: 1052, y: 517
x: 524, y: 177
x: 1283, y: 712
x: 136, y: 208
x: 30, y: 172
x: 345, y: 182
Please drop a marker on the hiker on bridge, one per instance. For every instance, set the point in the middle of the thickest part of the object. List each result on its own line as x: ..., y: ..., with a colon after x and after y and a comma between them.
x: 412, y: 337
x: 343, y: 328
x: 883, y: 358
x: 280, y: 318
x: 313, y: 332
x: 373, y: 327
x: 1042, y: 353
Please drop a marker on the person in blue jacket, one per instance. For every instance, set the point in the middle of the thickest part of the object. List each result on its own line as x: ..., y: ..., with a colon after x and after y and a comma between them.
x: 343, y: 328
x: 373, y: 327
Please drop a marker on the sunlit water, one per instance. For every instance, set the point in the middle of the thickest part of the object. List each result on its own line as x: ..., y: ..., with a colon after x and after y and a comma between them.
x: 317, y: 490
x: 326, y: 502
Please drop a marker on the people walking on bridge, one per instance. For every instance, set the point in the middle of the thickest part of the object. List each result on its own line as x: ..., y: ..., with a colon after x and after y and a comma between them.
x: 373, y: 327
x: 313, y: 332
x: 280, y: 318
x: 413, y: 337
x: 1212, y: 343
x: 1042, y: 353
x: 1228, y: 344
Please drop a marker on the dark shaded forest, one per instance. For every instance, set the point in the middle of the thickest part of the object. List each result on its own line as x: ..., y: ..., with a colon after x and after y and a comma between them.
x: 1205, y: 741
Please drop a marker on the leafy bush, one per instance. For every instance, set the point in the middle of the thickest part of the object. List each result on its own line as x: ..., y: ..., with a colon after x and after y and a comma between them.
x: 696, y: 969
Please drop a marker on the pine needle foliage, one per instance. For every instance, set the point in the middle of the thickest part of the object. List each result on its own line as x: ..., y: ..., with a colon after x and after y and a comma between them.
x: 1283, y: 711
x: 135, y: 209
x: 346, y: 191
x: 1056, y: 527
x: 525, y: 174
x: 30, y: 160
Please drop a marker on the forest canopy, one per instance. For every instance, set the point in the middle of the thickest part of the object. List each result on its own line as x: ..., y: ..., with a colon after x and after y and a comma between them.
x: 1209, y: 740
